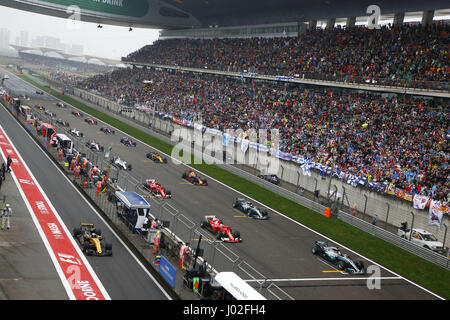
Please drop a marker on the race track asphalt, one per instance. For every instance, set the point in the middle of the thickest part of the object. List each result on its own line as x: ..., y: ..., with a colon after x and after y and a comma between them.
x: 278, y: 249
x: 121, y: 274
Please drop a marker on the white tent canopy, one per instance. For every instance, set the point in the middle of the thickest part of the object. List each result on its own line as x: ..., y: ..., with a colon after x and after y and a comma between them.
x: 237, y: 287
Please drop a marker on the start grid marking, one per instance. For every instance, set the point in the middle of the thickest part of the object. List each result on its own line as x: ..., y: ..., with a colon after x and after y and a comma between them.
x: 75, y: 272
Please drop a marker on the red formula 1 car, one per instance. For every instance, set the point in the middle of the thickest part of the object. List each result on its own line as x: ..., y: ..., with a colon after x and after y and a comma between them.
x: 77, y: 113
x: 221, y: 231
x: 156, y: 189
x: 90, y: 120
x: 192, y: 177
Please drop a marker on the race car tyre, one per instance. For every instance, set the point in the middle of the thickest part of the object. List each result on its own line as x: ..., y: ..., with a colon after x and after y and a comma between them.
x: 129, y: 167
x: 164, y: 160
x: 98, y: 232
x: 77, y: 231
x: 203, y: 223
x: 108, y: 246
x: 88, y: 247
x: 314, y: 250
x: 359, y: 265
x: 220, y: 235
x: 236, y: 234
x: 341, y: 265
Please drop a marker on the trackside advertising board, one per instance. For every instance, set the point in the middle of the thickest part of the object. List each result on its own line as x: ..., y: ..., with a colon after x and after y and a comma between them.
x: 129, y: 8
x: 167, y: 271
x: 77, y: 276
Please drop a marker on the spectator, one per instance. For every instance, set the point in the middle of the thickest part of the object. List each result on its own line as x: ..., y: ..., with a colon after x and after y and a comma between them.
x: 390, y: 140
x: 406, y: 55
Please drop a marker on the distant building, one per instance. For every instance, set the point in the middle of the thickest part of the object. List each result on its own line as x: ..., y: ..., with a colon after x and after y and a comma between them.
x: 23, y: 38
x: 77, y: 49
x: 5, y: 36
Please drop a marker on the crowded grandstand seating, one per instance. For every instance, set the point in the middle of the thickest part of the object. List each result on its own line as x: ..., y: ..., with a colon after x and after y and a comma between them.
x: 408, y: 55
x: 398, y: 141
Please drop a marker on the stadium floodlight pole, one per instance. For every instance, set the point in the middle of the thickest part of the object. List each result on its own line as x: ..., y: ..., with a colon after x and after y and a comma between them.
x: 365, y: 207
x: 387, y: 214
x: 412, y: 225
x: 445, y: 236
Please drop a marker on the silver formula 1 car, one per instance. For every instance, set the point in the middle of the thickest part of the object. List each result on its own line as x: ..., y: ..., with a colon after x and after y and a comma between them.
x: 249, y: 209
x: 335, y: 256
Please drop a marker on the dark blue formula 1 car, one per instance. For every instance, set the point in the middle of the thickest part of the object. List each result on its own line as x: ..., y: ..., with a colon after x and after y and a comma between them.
x: 334, y: 255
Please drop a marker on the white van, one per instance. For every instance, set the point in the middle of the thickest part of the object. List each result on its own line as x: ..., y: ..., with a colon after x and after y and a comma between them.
x: 65, y: 143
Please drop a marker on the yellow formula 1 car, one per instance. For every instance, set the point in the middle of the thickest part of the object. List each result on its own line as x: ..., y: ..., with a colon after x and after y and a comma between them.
x: 91, y: 240
x: 156, y: 157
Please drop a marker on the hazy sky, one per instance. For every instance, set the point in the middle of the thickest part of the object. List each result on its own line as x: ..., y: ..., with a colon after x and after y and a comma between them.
x: 109, y: 42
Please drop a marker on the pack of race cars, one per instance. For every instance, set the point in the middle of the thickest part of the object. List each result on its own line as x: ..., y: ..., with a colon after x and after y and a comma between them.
x: 93, y: 243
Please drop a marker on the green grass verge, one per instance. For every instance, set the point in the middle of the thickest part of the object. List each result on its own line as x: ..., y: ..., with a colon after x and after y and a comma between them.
x: 408, y: 265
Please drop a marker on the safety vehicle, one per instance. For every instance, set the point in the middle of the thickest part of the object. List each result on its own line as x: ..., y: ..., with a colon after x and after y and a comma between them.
x: 421, y: 237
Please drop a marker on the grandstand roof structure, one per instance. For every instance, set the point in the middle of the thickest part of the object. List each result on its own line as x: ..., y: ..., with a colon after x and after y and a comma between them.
x: 45, y: 50
x: 176, y: 14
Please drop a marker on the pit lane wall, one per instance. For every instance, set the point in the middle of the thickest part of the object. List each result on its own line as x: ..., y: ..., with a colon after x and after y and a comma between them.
x: 391, y: 211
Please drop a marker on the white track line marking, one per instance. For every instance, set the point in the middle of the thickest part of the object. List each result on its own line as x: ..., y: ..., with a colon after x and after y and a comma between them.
x: 324, y: 279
